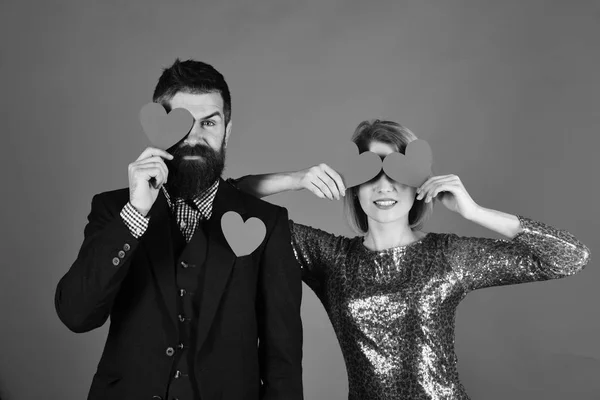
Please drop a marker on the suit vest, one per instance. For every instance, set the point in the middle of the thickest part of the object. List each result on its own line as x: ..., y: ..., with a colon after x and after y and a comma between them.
x: 189, y: 265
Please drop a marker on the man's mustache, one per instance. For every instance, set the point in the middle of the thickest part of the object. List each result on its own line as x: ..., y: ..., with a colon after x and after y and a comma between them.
x: 196, y: 150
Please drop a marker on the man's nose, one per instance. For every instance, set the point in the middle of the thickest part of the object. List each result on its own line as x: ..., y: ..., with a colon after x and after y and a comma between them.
x: 195, y: 136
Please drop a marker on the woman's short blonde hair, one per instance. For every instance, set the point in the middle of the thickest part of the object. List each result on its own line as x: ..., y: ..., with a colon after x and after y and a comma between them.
x: 398, y: 137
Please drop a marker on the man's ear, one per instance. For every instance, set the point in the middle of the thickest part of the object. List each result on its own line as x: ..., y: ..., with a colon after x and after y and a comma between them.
x: 227, y: 132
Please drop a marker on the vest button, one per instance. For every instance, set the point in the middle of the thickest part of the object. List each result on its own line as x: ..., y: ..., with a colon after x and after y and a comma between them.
x: 116, y: 261
x: 170, y: 351
x: 126, y: 247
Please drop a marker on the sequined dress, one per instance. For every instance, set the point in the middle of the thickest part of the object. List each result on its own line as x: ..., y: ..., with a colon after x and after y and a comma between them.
x: 393, y: 311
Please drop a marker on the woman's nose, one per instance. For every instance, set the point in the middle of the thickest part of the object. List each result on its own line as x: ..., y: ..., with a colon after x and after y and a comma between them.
x: 384, y: 183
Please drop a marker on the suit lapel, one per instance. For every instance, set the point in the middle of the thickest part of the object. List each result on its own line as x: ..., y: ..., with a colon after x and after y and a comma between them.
x: 158, y: 244
x: 219, y: 259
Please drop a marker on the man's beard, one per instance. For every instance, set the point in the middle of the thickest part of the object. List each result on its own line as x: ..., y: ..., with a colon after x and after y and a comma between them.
x: 188, y: 178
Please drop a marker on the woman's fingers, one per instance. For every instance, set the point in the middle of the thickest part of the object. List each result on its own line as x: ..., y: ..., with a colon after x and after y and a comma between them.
x: 331, y: 187
x: 322, y: 188
x: 442, y: 187
x: 337, y: 178
x: 324, y: 182
x: 426, y: 189
x: 316, y: 191
x: 453, y: 186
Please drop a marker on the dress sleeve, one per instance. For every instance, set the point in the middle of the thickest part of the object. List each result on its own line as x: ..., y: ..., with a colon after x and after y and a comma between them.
x: 538, y: 253
x: 316, y: 251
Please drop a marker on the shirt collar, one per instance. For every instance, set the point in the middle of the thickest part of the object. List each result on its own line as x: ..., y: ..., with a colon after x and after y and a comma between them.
x: 203, y: 201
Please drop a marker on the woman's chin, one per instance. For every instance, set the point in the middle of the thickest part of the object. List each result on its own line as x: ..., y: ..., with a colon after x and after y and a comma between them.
x: 383, y: 217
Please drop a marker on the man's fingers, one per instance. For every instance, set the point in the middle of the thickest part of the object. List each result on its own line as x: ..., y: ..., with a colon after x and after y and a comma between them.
x: 153, y: 151
x: 149, y: 160
x: 150, y: 164
x: 148, y: 172
x: 153, y: 161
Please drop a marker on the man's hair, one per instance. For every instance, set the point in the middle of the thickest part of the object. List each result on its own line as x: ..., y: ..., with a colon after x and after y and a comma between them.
x: 193, y: 77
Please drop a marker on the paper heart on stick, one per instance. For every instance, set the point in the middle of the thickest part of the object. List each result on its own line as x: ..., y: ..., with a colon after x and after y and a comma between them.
x: 412, y: 168
x: 242, y: 237
x: 165, y: 130
x: 356, y: 168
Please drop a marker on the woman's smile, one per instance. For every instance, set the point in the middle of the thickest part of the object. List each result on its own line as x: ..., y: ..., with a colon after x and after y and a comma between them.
x: 385, y: 204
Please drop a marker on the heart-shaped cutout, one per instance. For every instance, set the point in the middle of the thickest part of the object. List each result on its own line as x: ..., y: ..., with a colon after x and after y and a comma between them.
x: 412, y: 168
x: 242, y: 237
x: 356, y: 168
x: 165, y: 130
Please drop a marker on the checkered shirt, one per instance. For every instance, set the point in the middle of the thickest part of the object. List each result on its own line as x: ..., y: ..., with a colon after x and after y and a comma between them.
x: 188, y: 216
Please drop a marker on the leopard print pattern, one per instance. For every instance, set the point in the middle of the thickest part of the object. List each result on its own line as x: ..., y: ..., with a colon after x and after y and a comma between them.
x: 393, y: 311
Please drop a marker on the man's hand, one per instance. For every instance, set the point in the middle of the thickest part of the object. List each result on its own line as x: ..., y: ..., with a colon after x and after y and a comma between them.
x: 146, y: 176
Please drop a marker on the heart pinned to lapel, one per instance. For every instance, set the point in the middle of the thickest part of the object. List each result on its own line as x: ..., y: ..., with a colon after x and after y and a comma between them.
x: 356, y: 168
x: 412, y: 168
x: 164, y: 130
x: 242, y: 237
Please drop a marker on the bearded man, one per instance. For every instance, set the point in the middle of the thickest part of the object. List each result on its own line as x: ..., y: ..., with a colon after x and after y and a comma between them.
x: 189, y: 319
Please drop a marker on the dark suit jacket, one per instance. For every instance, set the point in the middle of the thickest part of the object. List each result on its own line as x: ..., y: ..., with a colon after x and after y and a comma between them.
x: 245, y: 300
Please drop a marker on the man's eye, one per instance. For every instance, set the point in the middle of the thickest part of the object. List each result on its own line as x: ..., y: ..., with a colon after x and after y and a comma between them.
x: 208, y: 123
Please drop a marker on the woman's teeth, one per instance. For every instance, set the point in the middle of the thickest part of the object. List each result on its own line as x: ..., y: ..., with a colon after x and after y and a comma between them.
x: 385, y: 203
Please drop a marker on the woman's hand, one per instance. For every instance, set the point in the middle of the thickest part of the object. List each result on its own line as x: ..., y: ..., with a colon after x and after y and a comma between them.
x: 322, y: 180
x: 451, y: 192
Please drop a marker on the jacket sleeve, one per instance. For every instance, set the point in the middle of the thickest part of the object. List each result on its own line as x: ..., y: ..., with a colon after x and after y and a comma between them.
x: 280, y: 325
x: 85, y: 294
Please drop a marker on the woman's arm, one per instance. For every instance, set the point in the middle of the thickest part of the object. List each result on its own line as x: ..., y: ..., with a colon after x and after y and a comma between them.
x: 536, y: 252
x: 264, y: 185
x: 497, y: 221
x: 320, y: 179
x: 317, y: 252
x: 450, y: 190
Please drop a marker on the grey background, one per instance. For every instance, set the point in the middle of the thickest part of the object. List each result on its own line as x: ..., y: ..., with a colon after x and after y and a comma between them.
x: 506, y: 92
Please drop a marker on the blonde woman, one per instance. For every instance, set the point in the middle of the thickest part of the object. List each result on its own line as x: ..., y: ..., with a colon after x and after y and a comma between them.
x: 392, y: 292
